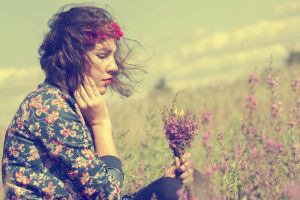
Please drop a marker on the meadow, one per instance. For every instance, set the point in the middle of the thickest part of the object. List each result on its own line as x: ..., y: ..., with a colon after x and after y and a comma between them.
x: 248, y: 146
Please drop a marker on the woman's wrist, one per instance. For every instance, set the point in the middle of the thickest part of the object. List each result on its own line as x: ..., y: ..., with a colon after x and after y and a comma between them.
x: 100, y: 123
x: 103, y: 137
x: 106, y: 123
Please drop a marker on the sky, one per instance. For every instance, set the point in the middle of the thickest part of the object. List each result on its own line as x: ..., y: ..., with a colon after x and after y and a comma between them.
x: 189, y: 43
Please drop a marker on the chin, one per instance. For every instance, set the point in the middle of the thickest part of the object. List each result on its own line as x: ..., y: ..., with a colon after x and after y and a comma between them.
x: 102, y: 90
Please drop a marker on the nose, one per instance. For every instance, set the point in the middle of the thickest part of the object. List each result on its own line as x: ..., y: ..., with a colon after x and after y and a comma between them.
x: 112, y: 67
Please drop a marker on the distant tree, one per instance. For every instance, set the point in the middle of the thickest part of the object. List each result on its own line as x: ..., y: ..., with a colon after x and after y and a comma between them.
x: 161, y: 85
x: 293, y: 57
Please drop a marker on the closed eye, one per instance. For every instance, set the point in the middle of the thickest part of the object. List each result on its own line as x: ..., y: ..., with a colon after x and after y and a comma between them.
x: 105, y: 54
x: 102, y: 56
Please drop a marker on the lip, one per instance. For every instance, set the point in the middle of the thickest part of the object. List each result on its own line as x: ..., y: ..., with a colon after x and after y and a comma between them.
x: 107, y: 81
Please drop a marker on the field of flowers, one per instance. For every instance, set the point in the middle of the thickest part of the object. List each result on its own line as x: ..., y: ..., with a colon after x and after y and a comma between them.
x: 248, y: 146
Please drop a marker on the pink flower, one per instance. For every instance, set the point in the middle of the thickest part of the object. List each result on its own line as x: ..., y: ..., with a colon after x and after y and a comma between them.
x: 109, y: 30
x: 295, y: 85
x: 239, y: 150
x: 89, y: 191
x: 21, y: 178
x: 212, y: 170
x: 220, y: 136
x: 140, y: 184
x: 88, y: 153
x: 85, y: 178
x: 254, y: 152
x: 253, y: 104
x: 207, y: 116
x: 50, y: 189
x: 206, y: 140
x: 117, y: 30
x: 253, y: 78
x: 279, y: 147
x: 51, y: 118
x: 292, y: 124
x: 243, y: 165
x: 225, y: 167
x: 248, y: 190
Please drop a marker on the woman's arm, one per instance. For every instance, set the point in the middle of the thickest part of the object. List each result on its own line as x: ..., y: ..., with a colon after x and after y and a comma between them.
x: 64, y: 136
x: 95, y: 112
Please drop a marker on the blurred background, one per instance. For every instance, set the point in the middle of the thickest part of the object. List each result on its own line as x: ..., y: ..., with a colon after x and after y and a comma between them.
x: 186, y: 43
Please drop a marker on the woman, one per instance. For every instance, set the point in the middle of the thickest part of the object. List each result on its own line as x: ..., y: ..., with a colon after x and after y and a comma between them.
x: 59, y: 144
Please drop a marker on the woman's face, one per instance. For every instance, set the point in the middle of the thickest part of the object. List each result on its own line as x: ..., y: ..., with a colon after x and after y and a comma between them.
x: 103, y: 65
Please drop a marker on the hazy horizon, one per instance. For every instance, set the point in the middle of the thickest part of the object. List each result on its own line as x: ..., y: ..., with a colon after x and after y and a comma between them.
x: 190, y: 43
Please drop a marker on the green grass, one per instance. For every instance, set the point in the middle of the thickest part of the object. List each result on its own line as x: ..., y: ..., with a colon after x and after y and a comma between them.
x: 138, y: 126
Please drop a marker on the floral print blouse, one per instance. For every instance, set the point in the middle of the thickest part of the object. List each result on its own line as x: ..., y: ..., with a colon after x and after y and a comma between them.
x: 49, y: 152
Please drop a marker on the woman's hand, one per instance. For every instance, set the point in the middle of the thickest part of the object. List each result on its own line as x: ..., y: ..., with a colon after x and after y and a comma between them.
x: 94, y: 111
x: 91, y: 103
x: 181, y: 169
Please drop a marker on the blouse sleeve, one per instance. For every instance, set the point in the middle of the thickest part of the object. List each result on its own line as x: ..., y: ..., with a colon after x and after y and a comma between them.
x: 62, y: 132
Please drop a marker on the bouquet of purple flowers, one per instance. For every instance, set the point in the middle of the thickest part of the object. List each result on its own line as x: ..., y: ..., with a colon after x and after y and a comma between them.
x: 180, y: 128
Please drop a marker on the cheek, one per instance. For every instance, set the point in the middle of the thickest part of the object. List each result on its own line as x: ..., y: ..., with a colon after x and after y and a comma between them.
x: 96, y: 70
x: 97, y: 64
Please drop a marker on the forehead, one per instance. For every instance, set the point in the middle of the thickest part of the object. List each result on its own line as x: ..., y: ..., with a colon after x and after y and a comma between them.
x: 108, y: 44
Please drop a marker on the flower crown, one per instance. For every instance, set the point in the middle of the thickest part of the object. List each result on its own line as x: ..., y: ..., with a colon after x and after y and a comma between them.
x: 109, y: 30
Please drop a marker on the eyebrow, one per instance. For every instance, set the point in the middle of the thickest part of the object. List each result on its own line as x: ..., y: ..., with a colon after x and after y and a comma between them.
x: 104, y: 49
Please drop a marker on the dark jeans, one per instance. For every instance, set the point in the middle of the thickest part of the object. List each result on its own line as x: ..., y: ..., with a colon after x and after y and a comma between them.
x: 164, y: 189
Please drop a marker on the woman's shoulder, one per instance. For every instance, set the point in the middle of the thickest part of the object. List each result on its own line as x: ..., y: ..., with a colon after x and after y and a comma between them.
x: 47, y: 95
x: 45, y: 91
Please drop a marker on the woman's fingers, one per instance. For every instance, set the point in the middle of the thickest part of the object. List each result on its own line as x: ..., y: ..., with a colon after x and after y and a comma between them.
x: 185, y: 157
x: 91, y: 103
x: 94, y: 87
x: 185, y: 166
x: 78, y: 99
x: 88, y: 89
x: 187, y: 177
x: 84, y: 95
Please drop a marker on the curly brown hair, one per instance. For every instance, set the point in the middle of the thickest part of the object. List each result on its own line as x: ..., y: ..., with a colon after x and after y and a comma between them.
x: 64, y: 49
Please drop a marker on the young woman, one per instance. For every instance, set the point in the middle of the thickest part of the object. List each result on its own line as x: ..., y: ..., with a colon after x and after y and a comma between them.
x: 59, y: 144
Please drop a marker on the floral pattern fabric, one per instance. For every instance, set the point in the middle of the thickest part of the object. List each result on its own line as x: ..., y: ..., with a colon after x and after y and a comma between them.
x: 49, y: 152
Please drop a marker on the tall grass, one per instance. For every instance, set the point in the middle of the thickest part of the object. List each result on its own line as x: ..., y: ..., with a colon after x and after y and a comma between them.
x: 248, y: 150
x: 248, y: 147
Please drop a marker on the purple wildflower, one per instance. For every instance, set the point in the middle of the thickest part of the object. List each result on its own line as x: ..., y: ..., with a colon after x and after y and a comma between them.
x: 206, y: 140
x: 253, y: 104
x: 272, y: 82
x: 225, y: 167
x: 253, y: 78
x: 243, y: 165
x: 295, y: 84
x: 207, y: 116
x: 180, y: 129
x: 212, y: 170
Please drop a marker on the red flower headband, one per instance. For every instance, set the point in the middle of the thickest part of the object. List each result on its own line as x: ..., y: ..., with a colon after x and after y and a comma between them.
x: 109, y: 30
